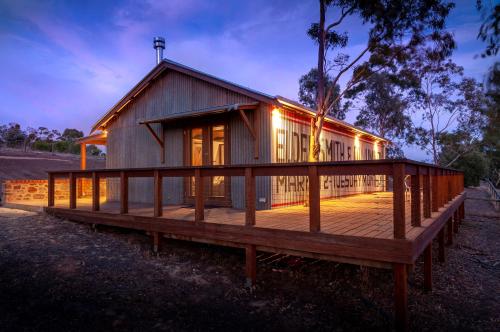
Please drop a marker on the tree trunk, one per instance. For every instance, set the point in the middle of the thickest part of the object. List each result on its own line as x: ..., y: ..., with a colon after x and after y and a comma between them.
x: 317, y: 123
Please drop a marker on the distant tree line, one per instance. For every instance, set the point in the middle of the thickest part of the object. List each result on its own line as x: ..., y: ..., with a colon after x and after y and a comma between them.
x: 44, y: 139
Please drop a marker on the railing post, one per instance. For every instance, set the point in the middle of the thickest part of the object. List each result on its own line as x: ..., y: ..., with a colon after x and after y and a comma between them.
x: 398, y: 176
x: 50, y: 190
x: 435, y: 191
x: 199, y: 201
x: 415, y: 199
x: 449, y: 186
x: 123, y: 192
x: 427, y: 193
x: 314, y: 200
x: 95, y: 191
x: 250, y: 197
x: 158, y: 194
x: 72, y: 191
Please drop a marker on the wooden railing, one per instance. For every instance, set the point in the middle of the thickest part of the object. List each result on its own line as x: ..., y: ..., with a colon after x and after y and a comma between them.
x: 436, y: 186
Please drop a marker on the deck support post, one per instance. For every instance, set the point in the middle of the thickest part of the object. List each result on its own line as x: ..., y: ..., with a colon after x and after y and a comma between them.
x: 449, y: 232
x: 199, y: 201
x: 455, y: 221
x: 158, y: 194
x: 441, y: 256
x: 314, y: 200
x: 95, y: 191
x: 398, y: 206
x: 415, y: 199
x: 250, y: 197
x: 123, y: 192
x: 250, y: 265
x: 50, y: 190
x: 72, y: 191
x: 400, y: 297
x: 428, y: 267
x: 157, y: 237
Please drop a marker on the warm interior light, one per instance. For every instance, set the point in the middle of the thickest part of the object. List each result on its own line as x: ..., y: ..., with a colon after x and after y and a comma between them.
x: 375, y: 150
x: 276, y: 118
x: 105, y: 132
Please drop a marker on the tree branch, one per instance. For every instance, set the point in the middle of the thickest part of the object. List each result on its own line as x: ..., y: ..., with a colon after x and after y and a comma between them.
x: 342, y: 16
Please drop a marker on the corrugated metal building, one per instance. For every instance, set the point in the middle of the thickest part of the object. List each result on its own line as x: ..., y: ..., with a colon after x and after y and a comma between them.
x: 178, y: 116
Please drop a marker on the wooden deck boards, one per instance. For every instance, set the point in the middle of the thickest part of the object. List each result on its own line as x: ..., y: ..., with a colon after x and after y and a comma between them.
x: 363, y: 215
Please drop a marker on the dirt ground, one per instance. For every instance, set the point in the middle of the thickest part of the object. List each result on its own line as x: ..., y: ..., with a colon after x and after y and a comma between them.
x: 59, y: 275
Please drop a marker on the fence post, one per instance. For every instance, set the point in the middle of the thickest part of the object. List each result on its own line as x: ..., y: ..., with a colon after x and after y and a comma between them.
x: 158, y: 194
x: 199, y: 202
x: 72, y: 191
x: 250, y: 197
x: 123, y: 192
x: 398, y: 198
x: 50, y: 190
x: 95, y: 191
x: 415, y: 199
x: 314, y: 200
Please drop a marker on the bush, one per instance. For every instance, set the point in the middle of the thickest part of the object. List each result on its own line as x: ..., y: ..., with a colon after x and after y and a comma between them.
x: 42, y: 146
x: 475, y: 167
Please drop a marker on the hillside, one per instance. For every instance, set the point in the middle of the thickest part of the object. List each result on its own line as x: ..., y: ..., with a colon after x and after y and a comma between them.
x: 17, y: 164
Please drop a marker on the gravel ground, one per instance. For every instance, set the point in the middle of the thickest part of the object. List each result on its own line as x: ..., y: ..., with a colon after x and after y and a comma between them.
x: 59, y: 275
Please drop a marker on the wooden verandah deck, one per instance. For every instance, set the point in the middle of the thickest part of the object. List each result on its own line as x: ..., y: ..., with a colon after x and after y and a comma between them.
x: 384, y: 229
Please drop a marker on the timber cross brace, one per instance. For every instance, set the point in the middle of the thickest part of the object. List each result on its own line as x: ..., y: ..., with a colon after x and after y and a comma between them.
x: 253, y: 129
x: 160, y: 141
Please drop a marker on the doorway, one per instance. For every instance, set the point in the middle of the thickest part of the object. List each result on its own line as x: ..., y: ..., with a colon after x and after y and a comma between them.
x: 208, y: 145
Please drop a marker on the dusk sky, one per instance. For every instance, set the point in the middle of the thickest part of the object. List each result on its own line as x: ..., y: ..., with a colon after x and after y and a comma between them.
x: 64, y: 64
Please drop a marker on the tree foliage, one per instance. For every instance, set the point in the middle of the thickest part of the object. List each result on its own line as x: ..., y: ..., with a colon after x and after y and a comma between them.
x: 489, y: 31
x: 491, y: 131
x: 447, y: 102
x: 385, y: 111
x: 308, y: 91
x: 395, y: 28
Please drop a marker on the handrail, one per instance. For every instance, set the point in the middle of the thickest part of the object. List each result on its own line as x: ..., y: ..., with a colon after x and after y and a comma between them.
x: 495, y: 194
x: 493, y: 191
x: 411, y: 164
x: 435, y: 185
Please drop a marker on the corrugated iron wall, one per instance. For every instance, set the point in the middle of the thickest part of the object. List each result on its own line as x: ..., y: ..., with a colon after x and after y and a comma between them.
x: 131, y: 145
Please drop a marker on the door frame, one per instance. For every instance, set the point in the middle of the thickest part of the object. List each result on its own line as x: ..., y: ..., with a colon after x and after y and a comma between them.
x: 206, y: 126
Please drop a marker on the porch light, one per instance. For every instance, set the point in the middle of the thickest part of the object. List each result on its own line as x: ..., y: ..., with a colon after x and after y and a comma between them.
x: 356, y: 147
x: 375, y: 150
x: 277, y: 120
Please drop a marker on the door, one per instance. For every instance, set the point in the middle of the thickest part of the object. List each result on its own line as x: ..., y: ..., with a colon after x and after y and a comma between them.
x: 207, y: 145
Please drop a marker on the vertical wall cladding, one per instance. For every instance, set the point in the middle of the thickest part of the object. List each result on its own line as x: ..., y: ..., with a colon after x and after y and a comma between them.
x: 130, y: 145
x: 242, y: 152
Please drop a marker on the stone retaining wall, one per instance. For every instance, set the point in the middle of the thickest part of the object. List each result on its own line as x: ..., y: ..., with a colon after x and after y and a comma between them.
x: 29, y: 190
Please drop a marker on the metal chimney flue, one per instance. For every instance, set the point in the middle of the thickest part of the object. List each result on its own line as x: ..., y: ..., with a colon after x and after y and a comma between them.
x: 159, y: 46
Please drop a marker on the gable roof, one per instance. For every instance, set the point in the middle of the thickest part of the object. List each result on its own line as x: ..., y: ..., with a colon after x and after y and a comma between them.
x: 166, y: 64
